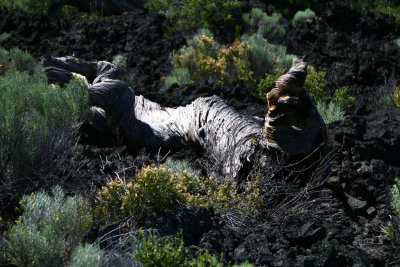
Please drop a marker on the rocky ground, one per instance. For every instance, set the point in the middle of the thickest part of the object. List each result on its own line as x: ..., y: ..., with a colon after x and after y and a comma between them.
x: 342, y: 222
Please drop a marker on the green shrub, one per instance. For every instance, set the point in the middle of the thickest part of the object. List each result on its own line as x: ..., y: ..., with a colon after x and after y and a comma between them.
x: 16, y: 59
x: 197, y: 13
x: 180, y: 166
x: 314, y: 85
x: 161, y: 189
x: 88, y: 256
x: 179, y: 76
x: 265, y: 57
x: 330, y: 111
x: 155, y: 251
x: 248, y: 60
x: 342, y: 97
x: 395, y: 196
x: 303, y: 15
x: 152, y: 250
x: 49, y: 228
x: 259, y: 22
x: 153, y: 189
x: 119, y: 61
x: 205, y: 59
x: 27, y: 5
x: 37, y: 120
x: 267, y: 84
x: 4, y: 36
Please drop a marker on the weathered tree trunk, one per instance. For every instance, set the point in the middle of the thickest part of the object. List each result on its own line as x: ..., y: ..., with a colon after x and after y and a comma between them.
x: 292, y: 123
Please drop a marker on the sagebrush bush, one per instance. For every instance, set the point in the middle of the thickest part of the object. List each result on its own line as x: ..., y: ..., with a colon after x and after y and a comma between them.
x: 49, y: 229
x: 396, y: 96
x: 246, y: 60
x: 259, y: 22
x: 265, y: 56
x: 395, y: 196
x: 179, y: 76
x: 267, y: 84
x: 161, y: 189
x: 88, y: 255
x: 152, y: 189
x: 330, y: 111
x: 16, y: 59
x: 37, y: 120
x: 27, y: 5
x: 191, y: 14
x: 120, y: 61
x: 152, y: 250
x: 303, y: 15
x: 314, y: 84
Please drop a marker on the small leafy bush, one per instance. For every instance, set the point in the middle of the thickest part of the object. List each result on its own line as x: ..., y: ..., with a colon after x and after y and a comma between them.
x: 303, y: 15
x: 314, y: 84
x: 27, y: 5
x: 247, y: 60
x: 395, y: 196
x: 119, y: 61
x: 330, y: 111
x: 265, y: 56
x: 17, y: 59
x: 4, y: 36
x: 396, y: 96
x: 155, y: 251
x: 153, y: 189
x: 34, y: 115
x: 259, y: 22
x: 179, y: 76
x: 191, y: 14
x: 267, y: 84
x: 49, y: 228
x: 161, y: 189
x: 342, y: 97
x: 397, y: 42
x: 152, y: 250
x: 88, y: 255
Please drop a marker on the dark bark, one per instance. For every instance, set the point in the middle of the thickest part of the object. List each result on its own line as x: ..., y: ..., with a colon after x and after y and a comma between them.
x: 292, y: 124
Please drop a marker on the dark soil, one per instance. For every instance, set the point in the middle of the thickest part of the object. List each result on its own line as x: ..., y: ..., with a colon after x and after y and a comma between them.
x: 340, y: 223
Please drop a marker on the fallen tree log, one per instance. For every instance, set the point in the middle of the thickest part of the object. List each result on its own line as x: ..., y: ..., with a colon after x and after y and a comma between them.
x: 292, y: 124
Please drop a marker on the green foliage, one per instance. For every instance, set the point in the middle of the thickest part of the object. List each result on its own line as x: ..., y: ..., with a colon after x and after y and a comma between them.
x: 180, y: 166
x: 389, y: 7
x: 259, y: 22
x: 330, y: 111
x: 204, y: 58
x: 179, y: 76
x: 192, y: 14
x: 265, y: 56
x: 396, y: 96
x: 314, y: 84
x: 303, y: 15
x: 4, y: 36
x: 119, y: 61
x: 153, y: 189
x: 395, y: 196
x: 153, y: 250
x: 342, y: 97
x: 27, y: 5
x: 267, y: 84
x: 17, y: 59
x: 161, y: 189
x: 37, y: 119
x: 88, y: 256
x: 49, y: 229
x: 397, y: 42
x: 248, y: 60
